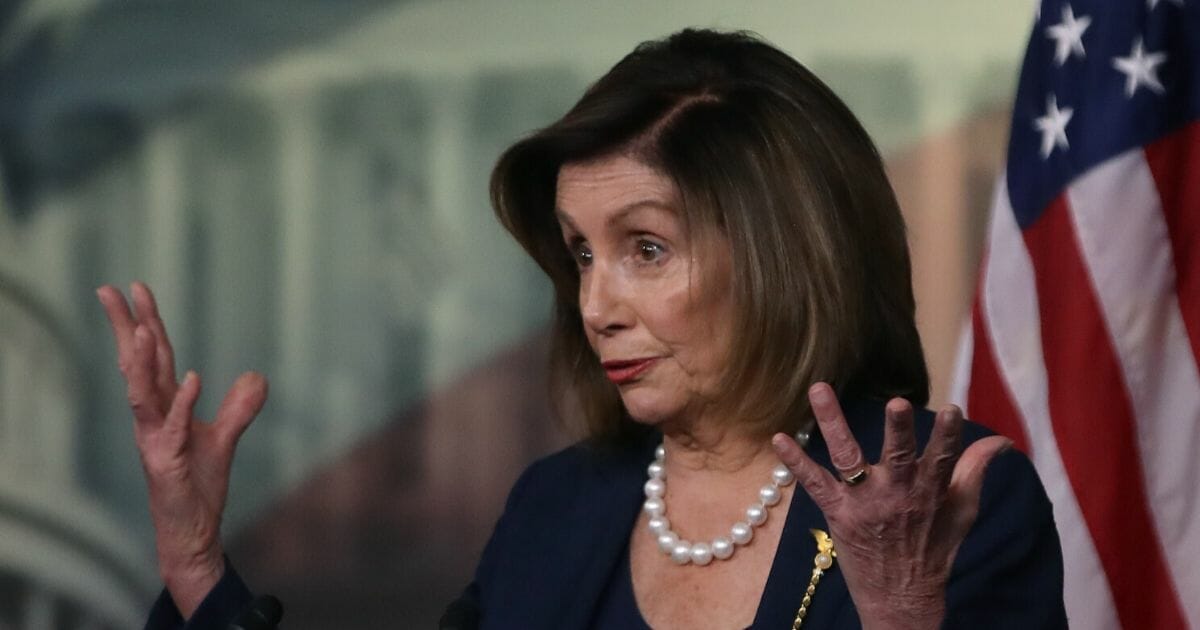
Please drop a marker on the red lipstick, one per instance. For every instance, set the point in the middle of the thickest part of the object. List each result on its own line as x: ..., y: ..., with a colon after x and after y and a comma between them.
x: 621, y: 372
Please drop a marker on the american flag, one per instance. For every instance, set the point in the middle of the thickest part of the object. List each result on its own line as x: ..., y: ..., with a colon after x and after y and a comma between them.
x: 1085, y: 330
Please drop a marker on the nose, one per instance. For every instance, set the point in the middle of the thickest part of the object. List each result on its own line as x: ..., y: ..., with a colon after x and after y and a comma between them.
x: 603, y: 301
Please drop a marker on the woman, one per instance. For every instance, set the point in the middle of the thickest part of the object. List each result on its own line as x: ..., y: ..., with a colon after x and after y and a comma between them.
x: 729, y: 263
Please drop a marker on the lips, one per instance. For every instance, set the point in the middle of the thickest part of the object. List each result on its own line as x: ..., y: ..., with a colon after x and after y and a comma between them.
x: 622, y: 372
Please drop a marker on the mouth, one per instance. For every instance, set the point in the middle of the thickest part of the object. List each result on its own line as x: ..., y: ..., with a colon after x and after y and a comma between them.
x: 626, y: 371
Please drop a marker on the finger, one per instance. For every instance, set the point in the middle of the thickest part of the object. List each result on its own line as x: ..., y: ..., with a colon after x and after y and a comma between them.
x: 147, y: 313
x: 945, y: 444
x: 899, y: 454
x: 816, y: 481
x: 847, y: 457
x: 179, y: 419
x: 966, y: 483
x: 242, y: 403
x: 122, y: 323
x: 143, y: 397
x: 163, y: 395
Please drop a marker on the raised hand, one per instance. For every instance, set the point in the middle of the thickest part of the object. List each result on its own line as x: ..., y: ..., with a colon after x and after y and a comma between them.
x: 186, y: 461
x: 896, y: 524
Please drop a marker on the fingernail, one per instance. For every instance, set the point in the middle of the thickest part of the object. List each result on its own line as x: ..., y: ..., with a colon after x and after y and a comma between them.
x: 780, y: 442
x: 819, y: 394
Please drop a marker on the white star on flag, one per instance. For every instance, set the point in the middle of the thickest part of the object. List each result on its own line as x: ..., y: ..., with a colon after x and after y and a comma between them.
x: 1053, y: 126
x: 1140, y: 69
x: 1068, y: 35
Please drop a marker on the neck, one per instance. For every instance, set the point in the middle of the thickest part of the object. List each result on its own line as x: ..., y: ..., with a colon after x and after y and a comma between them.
x: 713, y: 474
x: 698, y: 449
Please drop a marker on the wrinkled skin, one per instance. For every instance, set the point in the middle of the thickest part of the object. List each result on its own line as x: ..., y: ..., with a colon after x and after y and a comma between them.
x: 186, y: 461
x: 897, y: 531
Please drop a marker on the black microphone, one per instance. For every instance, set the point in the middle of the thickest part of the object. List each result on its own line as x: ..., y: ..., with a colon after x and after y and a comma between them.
x: 263, y: 614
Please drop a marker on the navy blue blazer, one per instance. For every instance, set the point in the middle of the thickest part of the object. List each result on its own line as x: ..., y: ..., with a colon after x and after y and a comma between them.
x: 569, y: 517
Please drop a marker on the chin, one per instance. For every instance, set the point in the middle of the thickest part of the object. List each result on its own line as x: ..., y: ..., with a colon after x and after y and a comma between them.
x: 646, y: 408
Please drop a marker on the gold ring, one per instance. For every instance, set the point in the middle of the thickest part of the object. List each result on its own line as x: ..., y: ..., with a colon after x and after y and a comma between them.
x: 857, y: 478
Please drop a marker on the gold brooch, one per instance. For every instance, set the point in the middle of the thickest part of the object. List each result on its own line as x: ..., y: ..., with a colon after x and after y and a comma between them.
x: 821, y: 563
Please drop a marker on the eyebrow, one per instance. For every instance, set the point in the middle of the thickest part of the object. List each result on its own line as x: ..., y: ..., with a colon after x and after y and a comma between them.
x: 621, y: 213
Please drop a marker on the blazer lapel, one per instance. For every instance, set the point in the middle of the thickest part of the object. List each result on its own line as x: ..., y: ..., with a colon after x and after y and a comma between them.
x: 606, y: 513
x: 792, y: 569
x: 610, y: 501
x: 793, y: 565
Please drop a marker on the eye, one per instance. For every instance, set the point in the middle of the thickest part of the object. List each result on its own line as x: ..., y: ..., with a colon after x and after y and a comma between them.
x: 649, y: 251
x: 581, y: 253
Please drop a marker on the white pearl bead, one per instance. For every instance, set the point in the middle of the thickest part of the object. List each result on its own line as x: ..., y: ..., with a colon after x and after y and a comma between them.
x: 782, y: 476
x: 756, y: 514
x: 682, y: 553
x: 701, y: 554
x: 656, y: 470
x: 741, y: 533
x: 722, y: 548
x: 769, y: 495
x: 667, y: 540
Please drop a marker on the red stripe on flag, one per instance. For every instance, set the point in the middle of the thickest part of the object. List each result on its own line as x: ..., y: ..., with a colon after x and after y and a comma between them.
x: 988, y: 398
x: 1175, y: 163
x: 1094, y: 426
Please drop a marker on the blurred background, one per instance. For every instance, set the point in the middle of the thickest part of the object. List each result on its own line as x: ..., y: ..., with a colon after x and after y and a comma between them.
x: 304, y: 184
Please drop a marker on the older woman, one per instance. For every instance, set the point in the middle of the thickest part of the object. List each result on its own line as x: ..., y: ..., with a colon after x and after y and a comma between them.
x: 731, y: 271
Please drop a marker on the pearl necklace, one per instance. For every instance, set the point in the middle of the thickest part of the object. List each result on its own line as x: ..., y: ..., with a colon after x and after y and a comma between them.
x: 722, y: 547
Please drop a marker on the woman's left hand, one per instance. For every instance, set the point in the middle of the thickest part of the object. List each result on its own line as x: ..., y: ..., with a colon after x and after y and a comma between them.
x: 896, y: 530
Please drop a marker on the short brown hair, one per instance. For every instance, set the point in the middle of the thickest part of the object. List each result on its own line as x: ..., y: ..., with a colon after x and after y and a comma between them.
x: 761, y: 149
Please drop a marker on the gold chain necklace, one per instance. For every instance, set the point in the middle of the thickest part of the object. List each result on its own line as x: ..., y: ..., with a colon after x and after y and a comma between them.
x: 821, y: 563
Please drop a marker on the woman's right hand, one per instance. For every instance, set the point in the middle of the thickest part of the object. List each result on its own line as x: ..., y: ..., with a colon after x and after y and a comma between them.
x: 186, y: 461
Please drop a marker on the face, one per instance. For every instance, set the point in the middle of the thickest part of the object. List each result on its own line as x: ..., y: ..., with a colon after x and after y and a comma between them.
x: 656, y: 305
